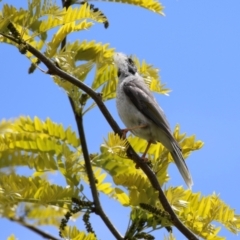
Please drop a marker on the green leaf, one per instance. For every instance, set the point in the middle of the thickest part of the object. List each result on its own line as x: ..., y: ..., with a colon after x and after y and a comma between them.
x: 74, y: 234
x: 151, y: 5
x: 122, y: 196
x: 15, y: 189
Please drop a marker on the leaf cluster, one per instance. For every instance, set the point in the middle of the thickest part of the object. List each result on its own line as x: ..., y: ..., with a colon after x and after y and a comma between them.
x: 45, y: 148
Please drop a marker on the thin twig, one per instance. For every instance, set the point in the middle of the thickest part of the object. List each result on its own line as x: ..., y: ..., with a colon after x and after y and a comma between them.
x: 130, y: 152
x: 34, y: 229
x: 92, y: 180
x: 79, y: 121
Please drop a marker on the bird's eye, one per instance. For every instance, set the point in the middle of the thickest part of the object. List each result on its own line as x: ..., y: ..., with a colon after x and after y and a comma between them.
x: 130, y: 61
x: 131, y: 66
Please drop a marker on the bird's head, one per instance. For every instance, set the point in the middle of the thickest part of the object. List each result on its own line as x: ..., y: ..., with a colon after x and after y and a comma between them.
x: 125, y: 65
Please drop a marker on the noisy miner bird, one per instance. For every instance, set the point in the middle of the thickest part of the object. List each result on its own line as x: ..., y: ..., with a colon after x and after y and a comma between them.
x: 142, y: 115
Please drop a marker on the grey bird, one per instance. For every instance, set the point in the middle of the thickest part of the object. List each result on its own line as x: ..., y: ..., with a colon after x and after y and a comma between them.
x: 141, y: 114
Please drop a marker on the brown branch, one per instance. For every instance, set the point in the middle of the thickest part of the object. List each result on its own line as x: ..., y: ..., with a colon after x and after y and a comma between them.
x: 130, y: 152
x: 34, y: 229
x: 79, y: 121
x: 92, y: 180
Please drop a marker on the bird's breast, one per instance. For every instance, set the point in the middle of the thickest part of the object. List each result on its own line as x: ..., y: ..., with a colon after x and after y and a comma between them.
x: 133, y: 118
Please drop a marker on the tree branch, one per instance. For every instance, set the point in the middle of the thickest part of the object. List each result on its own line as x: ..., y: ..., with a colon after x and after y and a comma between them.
x: 54, y: 70
x: 34, y: 229
x: 92, y: 180
x: 79, y: 121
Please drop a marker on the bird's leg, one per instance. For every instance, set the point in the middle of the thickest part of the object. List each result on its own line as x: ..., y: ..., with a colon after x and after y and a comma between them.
x: 126, y: 130
x: 143, y: 157
x: 146, y: 150
x: 124, y: 133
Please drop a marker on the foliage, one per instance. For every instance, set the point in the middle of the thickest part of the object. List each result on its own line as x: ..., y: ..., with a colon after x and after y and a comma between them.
x: 46, y: 147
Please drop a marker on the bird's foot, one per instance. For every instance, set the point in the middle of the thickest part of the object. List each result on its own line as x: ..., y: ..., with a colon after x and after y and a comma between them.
x: 124, y: 133
x: 144, y: 159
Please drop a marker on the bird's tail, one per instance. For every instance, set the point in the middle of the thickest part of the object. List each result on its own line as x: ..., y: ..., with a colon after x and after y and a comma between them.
x: 180, y: 162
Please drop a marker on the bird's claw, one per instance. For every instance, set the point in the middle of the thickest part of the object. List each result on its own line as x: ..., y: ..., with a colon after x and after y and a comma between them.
x: 144, y: 159
x: 124, y: 133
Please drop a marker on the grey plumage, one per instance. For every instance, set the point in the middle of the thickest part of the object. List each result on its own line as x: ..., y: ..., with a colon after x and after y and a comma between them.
x: 137, y: 106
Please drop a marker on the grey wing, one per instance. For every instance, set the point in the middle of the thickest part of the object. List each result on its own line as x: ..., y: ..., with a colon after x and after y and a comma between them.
x: 144, y: 101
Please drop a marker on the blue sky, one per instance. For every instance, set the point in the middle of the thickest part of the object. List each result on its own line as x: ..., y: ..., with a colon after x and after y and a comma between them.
x: 197, y: 48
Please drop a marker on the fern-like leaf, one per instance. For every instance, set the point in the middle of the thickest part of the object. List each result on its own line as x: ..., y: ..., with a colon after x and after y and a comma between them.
x: 15, y: 189
x: 74, y: 234
x: 12, y: 237
x: 151, y: 5
x: 199, y: 212
x: 45, y: 215
x: 139, y: 187
x: 70, y: 21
